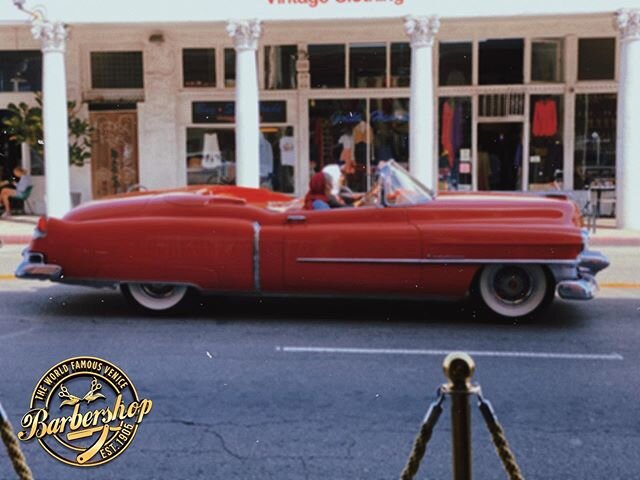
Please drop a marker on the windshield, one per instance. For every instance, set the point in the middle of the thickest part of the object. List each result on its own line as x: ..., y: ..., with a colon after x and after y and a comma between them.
x: 399, y: 187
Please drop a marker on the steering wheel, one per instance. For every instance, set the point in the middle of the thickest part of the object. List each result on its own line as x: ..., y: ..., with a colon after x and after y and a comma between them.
x: 369, y: 198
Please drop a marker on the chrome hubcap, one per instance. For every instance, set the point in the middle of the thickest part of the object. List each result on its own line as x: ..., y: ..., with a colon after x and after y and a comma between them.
x: 157, y: 290
x: 512, y: 284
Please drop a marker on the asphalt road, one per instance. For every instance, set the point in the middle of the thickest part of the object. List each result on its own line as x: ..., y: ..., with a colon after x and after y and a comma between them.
x: 232, y: 399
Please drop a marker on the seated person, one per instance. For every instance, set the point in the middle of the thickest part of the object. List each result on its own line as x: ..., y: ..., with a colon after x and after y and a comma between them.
x: 17, y: 190
x: 319, y: 196
x: 338, y: 185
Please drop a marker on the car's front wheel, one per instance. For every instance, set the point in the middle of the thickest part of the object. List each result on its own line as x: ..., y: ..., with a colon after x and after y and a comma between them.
x: 157, y: 297
x: 515, y: 291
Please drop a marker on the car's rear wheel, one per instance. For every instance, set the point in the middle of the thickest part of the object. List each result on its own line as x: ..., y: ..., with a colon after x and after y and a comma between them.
x: 157, y: 297
x: 515, y: 291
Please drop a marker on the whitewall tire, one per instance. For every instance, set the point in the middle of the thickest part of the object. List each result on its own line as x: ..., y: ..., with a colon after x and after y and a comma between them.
x: 157, y: 297
x: 514, y: 291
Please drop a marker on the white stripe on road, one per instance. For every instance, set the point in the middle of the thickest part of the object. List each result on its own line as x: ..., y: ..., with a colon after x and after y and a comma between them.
x: 477, y: 353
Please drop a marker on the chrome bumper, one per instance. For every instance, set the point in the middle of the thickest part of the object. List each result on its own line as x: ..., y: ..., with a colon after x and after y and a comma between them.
x: 34, y: 267
x: 584, y: 287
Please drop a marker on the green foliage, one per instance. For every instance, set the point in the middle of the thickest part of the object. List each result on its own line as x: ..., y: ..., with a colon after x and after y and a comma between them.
x: 25, y: 126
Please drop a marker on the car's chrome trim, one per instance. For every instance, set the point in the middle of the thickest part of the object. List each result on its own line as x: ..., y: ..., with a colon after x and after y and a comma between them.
x: 439, y: 260
x: 256, y: 256
x: 33, y: 266
x: 583, y: 288
x: 591, y: 262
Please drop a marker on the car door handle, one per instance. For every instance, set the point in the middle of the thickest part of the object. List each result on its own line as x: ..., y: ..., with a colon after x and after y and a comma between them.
x: 296, y: 218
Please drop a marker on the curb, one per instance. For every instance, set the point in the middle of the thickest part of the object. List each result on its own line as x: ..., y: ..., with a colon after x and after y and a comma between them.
x: 15, y: 239
x: 615, y: 242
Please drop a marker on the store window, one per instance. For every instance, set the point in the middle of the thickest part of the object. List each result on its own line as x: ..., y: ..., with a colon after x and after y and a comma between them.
x: 455, y: 63
x: 358, y: 134
x: 116, y: 70
x: 546, y: 146
x: 277, y: 158
x: 211, y: 157
x: 400, y: 64
x: 20, y: 70
x: 271, y: 111
x: 229, y: 67
x: 390, y: 128
x: 199, y: 67
x: 454, y: 134
x: 339, y: 132
x: 501, y: 62
x: 547, y: 57
x: 595, y: 137
x: 596, y: 58
x: 367, y: 65
x: 327, y: 66
x: 280, y: 67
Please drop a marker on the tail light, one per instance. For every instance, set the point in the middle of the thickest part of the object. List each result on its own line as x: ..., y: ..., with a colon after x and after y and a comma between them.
x: 41, y: 228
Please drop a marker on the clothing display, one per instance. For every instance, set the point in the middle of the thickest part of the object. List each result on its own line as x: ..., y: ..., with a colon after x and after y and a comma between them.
x: 545, y: 118
x: 287, y: 151
x: 346, y: 154
x: 211, y: 155
x: 266, y: 158
x: 451, y: 135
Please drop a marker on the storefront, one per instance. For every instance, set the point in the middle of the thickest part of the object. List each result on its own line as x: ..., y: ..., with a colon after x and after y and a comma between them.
x: 520, y: 103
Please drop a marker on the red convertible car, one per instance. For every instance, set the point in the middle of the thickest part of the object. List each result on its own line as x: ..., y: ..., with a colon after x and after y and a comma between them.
x: 511, y: 253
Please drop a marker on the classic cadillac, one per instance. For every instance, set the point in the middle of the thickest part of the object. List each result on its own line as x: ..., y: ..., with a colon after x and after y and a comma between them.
x: 509, y: 253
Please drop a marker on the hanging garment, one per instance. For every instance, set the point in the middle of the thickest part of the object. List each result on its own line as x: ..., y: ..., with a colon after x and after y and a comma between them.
x: 545, y: 118
x: 211, y: 155
x: 456, y: 134
x: 446, y: 137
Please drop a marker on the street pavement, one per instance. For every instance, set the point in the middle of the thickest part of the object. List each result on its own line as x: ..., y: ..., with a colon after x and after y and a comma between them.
x: 308, y: 389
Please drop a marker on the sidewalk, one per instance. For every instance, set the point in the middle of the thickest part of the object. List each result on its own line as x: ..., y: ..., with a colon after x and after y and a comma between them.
x: 18, y: 230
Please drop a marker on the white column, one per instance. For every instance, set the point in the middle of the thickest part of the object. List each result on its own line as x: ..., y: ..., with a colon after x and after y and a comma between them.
x: 54, y: 114
x: 628, y: 139
x: 422, y: 160
x: 245, y: 34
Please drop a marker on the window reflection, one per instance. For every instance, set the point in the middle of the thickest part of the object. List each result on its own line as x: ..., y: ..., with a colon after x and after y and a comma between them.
x: 596, y: 58
x: 367, y: 65
x: 501, y: 62
x: 229, y: 67
x: 280, y: 67
x: 400, y: 64
x: 546, y: 60
x: 199, y: 67
x: 595, y: 148
x: 116, y: 70
x: 20, y: 71
x: 327, y: 66
x: 455, y: 64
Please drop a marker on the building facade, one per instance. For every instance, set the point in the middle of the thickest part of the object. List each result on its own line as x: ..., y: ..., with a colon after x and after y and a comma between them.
x: 518, y: 103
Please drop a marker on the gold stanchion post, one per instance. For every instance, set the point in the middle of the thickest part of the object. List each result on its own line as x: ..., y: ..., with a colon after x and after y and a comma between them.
x: 458, y: 368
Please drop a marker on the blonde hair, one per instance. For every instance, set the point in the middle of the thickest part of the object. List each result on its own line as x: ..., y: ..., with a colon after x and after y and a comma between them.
x: 22, y: 171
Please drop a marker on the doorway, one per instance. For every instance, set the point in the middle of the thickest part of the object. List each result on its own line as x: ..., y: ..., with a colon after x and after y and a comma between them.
x: 500, y: 156
x: 114, y: 152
